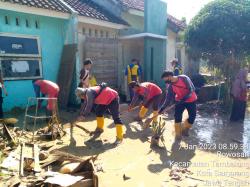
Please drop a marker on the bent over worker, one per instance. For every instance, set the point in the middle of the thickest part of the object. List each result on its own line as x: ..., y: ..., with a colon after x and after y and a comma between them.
x: 105, y: 99
x: 49, y: 88
x: 150, y: 94
x: 181, y: 90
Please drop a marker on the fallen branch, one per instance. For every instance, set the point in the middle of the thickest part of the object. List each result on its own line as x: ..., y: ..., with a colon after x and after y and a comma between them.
x: 82, y: 128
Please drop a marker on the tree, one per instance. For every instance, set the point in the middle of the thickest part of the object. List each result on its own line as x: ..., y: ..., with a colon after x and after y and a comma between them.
x: 220, y: 34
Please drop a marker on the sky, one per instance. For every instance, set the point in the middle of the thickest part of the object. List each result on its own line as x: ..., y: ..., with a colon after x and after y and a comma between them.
x: 185, y: 8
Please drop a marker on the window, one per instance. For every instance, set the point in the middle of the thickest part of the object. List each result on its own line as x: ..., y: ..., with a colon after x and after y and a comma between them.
x: 7, y: 21
x: 37, y: 25
x: 107, y: 34
x: 20, y: 57
x: 20, y: 68
x: 83, y: 31
x: 101, y: 33
x: 17, y: 22
x: 27, y: 23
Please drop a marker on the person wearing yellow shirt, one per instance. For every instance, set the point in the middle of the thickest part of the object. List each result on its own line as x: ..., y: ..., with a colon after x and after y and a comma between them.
x: 132, y: 73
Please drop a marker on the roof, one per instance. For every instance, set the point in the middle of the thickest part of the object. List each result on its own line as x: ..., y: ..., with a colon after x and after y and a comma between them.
x: 173, y: 22
x: 55, y: 5
x: 176, y: 24
x: 83, y: 7
x: 90, y: 9
x: 133, y: 4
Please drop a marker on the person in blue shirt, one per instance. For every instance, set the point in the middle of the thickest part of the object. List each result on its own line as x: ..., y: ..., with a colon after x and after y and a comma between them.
x: 177, y: 68
x: 132, y: 73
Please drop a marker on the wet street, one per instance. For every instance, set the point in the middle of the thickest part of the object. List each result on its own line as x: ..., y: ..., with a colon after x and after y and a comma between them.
x: 213, y: 132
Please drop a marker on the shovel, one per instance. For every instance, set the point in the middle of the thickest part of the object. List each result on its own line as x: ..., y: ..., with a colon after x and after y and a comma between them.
x: 132, y: 109
x: 149, y: 120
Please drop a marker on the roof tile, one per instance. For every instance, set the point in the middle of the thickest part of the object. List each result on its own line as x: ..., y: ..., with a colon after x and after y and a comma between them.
x: 90, y: 9
x: 50, y: 5
x: 133, y: 4
x: 139, y: 5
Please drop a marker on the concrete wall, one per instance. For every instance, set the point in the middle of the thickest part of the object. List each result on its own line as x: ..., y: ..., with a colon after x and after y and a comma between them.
x: 171, y: 48
x: 155, y: 57
x: 155, y: 16
x: 135, y: 22
x: 155, y: 49
x: 127, y: 50
x: 51, y: 32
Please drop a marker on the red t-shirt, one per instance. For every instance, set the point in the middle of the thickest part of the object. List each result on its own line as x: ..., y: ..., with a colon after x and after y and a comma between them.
x: 149, y: 89
x: 181, y: 89
x: 106, y: 97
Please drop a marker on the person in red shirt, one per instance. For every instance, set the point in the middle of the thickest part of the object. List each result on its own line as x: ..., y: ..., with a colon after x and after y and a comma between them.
x: 182, y: 90
x: 49, y: 88
x: 105, y: 99
x: 150, y: 94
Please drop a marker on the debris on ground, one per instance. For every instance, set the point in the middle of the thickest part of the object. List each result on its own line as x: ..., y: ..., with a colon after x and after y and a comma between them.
x: 39, y: 162
x: 53, y: 130
x: 69, y: 169
x: 179, y: 174
x: 126, y: 177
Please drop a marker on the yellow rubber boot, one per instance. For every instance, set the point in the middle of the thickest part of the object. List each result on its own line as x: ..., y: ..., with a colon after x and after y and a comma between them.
x: 186, y: 127
x: 119, y: 132
x: 100, y: 124
x: 155, y: 120
x: 177, y: 127
x: 143, y: 112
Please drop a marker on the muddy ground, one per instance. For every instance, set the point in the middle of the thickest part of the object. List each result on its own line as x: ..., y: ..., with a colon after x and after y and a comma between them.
x: 215, y: 154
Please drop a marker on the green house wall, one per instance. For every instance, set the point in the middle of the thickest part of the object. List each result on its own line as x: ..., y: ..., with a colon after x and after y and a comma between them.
x: 155, y: 16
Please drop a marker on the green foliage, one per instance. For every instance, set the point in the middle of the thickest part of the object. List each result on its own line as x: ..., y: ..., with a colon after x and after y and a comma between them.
x: 220, y: 34
x: 220, y: 30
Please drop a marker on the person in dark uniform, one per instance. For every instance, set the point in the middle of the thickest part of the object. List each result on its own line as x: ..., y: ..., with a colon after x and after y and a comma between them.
x: 177, y: 69
x: 132, y: 73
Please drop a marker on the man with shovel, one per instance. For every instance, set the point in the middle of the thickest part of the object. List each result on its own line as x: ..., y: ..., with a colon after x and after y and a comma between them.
x: 150, y: 94
x: 183, y: 90
x: 105, y: 99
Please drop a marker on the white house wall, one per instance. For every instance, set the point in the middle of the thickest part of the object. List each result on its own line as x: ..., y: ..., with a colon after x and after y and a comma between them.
x: 171, y: 48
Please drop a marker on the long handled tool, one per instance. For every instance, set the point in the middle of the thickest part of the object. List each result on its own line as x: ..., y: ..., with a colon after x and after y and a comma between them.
x: 149, y: 120
x: 132, y: 109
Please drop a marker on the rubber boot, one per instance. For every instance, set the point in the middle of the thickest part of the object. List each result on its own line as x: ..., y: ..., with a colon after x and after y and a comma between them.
x: 119, y: 133
x: 186, y: 127
x: 177, y: 127
x: 100, y: 124
x: 142, y: 113
x: 155, y: 120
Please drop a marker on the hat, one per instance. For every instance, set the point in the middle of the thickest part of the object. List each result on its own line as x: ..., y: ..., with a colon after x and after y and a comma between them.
x: 80, y: 91
x: 175, y: 60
